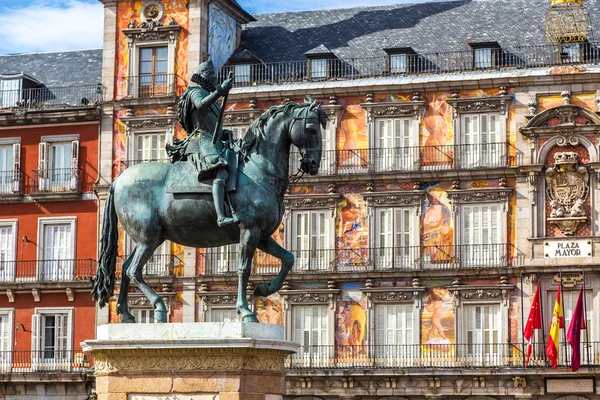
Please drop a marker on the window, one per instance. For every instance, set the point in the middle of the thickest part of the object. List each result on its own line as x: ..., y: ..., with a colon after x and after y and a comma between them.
x: 318, y: 68
x: 7, y: 250
x: 153, y: 71
x: 239, y: 131
x: 223, y: 259
x: 481, y: 235
x: 10, y: 92
x: 570, y: 53
x: 10, y: 156
x: 398, y: 63
x: 6, y: 329
x: 569, y: 302
x: 310, y: 331
x: 159, y: 263
x: 482, y: 57
x: 482, y: 330
x: 51, y: 339
x: 394, y: 138
x: 57, y: 264
x: 223, y: 315
x: 242, y: 73
x: 481, y: 147
x: 150, y: 147
x: 144, y: 315
x: 311, y: 235
x: 58, y: 166
x: 393, y: 239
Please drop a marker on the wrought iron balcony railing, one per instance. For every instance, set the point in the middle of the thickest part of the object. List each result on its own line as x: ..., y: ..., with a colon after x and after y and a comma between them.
x: 59, y: 180
x: 158, y: 266
x: 67, y: 270
x: 383, y: 259
x: 50, y: 98
x: 45, y: 361
x: 413, y: 159
x: 10, y: 182
x: 147, y: 86
x: 474, y: 355
x: 519, y: 57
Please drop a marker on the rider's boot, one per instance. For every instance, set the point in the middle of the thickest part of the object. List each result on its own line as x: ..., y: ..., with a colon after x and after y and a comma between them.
x: 218, y: 191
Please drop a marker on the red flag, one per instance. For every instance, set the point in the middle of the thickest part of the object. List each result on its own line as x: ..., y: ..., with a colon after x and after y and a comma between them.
x: 533, y: 322
x: 574, y: 332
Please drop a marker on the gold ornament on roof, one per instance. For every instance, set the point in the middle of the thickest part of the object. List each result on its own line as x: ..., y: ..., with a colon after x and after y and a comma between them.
x: 567, y: 21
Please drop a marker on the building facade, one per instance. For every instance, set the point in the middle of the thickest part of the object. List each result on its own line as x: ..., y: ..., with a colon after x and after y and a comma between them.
x: 457, y: 176
x: 49, y: 124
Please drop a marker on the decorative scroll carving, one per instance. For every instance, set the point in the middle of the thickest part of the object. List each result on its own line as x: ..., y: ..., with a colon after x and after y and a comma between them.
x: 225, y: 298
x: 141, y: 301
x: 394, y: 199
x: 482, y: 104
x: 480, y: 294
x: 567, y: 189
x: 393, y: 296
x: 328, y: 201
x: 481, y: 195
x: 318, y: 296
x: 241, y: 117
x: 407, y: 108
x: 309, y: 298
x: 150, y: 123
x: 495, y: 292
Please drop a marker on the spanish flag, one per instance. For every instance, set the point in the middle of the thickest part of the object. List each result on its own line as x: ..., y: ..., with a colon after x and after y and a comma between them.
x: 555, y: 326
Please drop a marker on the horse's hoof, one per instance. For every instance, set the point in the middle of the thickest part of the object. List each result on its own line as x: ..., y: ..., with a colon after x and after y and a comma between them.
x: 262, y: 289
x: 128, y: 320
x: 160, y: 316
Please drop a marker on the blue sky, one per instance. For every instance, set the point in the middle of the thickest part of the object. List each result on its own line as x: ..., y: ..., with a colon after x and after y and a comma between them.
x: 61, y: 25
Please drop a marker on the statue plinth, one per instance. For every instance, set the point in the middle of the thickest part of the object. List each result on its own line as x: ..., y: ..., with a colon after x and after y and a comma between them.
x: 193, y: 361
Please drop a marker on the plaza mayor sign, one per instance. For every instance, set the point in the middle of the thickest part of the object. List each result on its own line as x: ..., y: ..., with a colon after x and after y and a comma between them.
x: 568, y: 248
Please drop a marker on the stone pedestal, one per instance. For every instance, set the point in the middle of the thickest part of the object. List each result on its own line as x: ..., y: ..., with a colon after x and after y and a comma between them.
x: 190, y: 361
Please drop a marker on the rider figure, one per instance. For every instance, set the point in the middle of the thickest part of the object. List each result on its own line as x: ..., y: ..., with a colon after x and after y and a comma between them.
x: 199, y: 114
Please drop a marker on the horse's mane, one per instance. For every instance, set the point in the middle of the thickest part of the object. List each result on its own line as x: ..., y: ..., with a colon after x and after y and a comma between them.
x: 256, y: 132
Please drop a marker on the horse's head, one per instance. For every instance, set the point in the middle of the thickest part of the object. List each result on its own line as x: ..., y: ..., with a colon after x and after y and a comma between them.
x: 305, y: 134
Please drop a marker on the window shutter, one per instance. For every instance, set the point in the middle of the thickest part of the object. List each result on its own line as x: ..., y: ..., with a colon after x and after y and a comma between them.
x: 297, y: 325
x: 43, y: 173
x: 16, y: 168
x: 36, y: 341
x: 75, y: 165
x: 381, y: 324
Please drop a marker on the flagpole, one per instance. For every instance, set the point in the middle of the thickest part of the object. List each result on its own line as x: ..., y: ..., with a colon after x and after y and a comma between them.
x: 522, y: 324
x: 542, y: 316
x: 587, y: 334
x: 562, y: 311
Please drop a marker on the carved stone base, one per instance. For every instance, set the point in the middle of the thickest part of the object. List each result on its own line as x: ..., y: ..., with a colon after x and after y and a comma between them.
x: 198, y: 361
x: 568, y: 225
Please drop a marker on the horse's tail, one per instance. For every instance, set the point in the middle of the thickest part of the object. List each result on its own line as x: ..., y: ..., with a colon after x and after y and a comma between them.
x: 104, y: 284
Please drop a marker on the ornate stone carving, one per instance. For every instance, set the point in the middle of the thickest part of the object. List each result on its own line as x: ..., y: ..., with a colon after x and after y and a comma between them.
x: 393, y: 296
x: 392, y: 199
x: 482, y: 104
x: 228, y: 298
x: 150, y: 123
x: 480, y: 294
x: 241, y: 117
x: 409, y: 108
x: 473, y: 293
x: 309, y: 298
x: 481, y: 195
x: 188, y: 359
x: 328, y: 201
x: 141, y: 301
x: 567, y: 189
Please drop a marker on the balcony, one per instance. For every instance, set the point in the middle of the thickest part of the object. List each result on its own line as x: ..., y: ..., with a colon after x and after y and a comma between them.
x: 413, y: 159
x: 11, y: 186
x: 158, y: 266
x: 147, y: 86
x: 506, y: 59
x: 47, y: 270
x: 385, y: 259
x: 500, y: 355
x: 46, y: 361
x: 50, y: 98
x: 56, y: 184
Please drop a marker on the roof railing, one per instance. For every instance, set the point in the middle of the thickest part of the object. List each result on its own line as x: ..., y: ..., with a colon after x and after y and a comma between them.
x: 50, y: 98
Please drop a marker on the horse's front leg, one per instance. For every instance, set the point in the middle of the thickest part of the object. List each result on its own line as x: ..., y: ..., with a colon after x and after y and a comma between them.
x: 271, y: 247
x: 248, y: 242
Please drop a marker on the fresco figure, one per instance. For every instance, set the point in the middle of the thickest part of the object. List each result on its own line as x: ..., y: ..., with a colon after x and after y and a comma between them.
x: 436, y: 308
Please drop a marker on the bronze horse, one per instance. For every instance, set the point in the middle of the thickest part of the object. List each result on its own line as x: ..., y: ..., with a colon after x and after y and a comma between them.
x: 150, y: 215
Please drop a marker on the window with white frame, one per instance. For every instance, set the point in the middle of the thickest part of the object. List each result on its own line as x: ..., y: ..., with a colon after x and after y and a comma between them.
x: 159, y: 263
x: 482, y: 57
x: 239, y: 131
x: 310, y: 239
x: 144, y: 315
x: 8, y: 234
x: 570, y: 53
x: 482, y: 330
x: 242, y: 73
x: 569, y: 299
x: 481, y: 240
x: 224, y: 259
x: 398, y: 63
x: 481, y: 144
x: 318, y: 68
x: 10, y: 157
x: 394, y: 340
x: 57, y: 250
x: 222, y: 314
x: 52, y: 338
x: 310, y: 329
x: 149, y: 146
x: 393, y: 244
x: 58, y: 166
x: 397, y: 144
x: 6, y: 330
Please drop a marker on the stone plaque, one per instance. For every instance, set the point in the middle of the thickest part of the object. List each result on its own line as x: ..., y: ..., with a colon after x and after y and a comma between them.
x: 570, y: 386
x: 567, y: 248
x: 174, y: 396
x: 569, y: 279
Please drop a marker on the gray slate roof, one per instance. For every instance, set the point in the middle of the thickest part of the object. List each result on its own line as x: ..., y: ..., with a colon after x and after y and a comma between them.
x: 426, y: 27
x: 67, y: 68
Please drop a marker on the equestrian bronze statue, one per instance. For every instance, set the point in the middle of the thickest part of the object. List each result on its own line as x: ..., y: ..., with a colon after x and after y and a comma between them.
x: 186, y: 202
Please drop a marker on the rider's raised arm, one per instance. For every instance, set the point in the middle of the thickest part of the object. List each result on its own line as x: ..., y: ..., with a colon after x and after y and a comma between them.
x: 202, y: 101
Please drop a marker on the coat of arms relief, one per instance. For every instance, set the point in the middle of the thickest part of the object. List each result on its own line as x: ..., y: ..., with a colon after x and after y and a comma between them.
x: 567, y: 188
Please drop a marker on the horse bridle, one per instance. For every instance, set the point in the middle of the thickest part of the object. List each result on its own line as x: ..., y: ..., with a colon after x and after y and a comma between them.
x: 303, y: 160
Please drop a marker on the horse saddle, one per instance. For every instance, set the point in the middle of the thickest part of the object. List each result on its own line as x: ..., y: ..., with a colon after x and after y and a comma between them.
x: 183, y: 177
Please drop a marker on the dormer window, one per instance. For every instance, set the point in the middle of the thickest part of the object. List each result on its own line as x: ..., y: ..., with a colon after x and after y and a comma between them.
x: 570, y: 53
x: 485, y: 54
x: 319, y: 60
x: 245, y: 65
x: 242, y: 73
x: 399, y: 59
x: 318, y: 68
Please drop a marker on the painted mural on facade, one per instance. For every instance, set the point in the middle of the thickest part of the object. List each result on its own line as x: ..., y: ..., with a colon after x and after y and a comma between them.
x: 221, y: 35
x: 351, y: 321
x: 269, y: 310
x: 437, y: 318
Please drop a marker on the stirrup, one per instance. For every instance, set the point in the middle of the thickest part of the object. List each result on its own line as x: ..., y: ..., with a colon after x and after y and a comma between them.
x: 226, y: 221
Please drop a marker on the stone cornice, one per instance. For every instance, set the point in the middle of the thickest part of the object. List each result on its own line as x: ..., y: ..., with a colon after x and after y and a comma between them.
x: 395, y: 109
x: 149, y: 121
x: 480, y: 104
x: 394, y: 198
x: 316, y: 296
x: 241, y: 117
x: 499, y: 293
x: 152, y: 33
x: 312, y: 201
x: 480, y: 195
x: 566, y: 131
